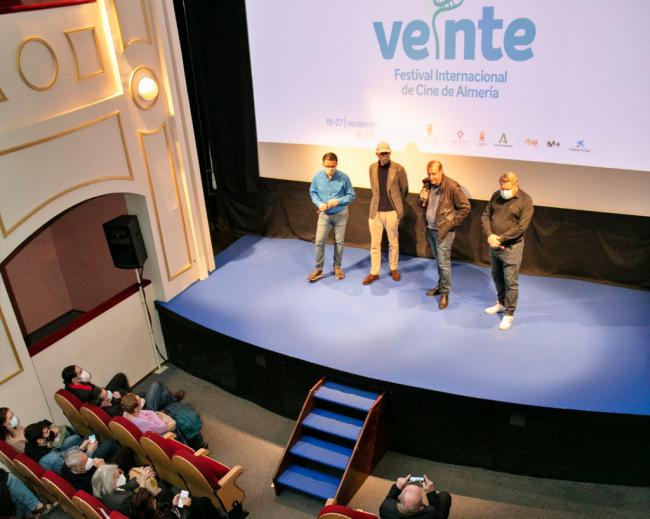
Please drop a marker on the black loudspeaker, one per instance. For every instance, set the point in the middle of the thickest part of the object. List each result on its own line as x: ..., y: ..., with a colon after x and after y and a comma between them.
x: 125, y: 242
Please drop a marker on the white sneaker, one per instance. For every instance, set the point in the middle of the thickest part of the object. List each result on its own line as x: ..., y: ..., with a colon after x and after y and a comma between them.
x: 506, y: 322
x: 491, y: 310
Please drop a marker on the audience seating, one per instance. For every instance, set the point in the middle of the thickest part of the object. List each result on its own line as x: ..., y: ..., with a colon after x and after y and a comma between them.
x: 70, y: 405
x: 63, y: 491
x: 7, y: 455
x: 128, y: 434
x: 333, y: 511
x: 117, y: 515
x: 98, y: 420
x: 32, y: 473
x: 160, y: 451
x: 90, y: 506
x: 206, y: 477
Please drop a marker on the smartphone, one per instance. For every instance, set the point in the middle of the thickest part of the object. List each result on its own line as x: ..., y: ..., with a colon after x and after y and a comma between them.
x: 92, y: 438
x: 184, y: 494
x: 416, y: 480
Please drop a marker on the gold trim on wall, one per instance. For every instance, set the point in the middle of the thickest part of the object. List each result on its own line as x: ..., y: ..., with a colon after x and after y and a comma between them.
x: 38, y: 88
x: 3, y: 97
x: 141, y: 135
x: 7, y: 231
x: 133, y: 41
x: 13, y: 348
x: 133, y: 87
x: 77, y: 77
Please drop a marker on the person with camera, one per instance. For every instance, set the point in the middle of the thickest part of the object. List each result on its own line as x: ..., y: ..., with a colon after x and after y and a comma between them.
x: 406, y: 499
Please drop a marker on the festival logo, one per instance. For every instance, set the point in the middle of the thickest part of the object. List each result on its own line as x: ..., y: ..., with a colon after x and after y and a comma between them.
x: 490, y: 36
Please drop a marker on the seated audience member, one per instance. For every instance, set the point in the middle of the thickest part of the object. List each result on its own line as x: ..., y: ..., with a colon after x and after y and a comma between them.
x: 107, y: 400
x: 47, y: 444
x: 146, y: 420
x: 112, y: 488
x: 406, y: 499
x: 17, y: 500
x: 188, y: 429
x: 78, y: 381
x: 10, y: 429
x: 156, y: 398
x: 79, y: 468
x: 145, y: 506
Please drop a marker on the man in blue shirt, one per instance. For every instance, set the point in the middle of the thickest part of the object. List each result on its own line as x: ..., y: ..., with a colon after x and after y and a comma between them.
x: 331, y: 191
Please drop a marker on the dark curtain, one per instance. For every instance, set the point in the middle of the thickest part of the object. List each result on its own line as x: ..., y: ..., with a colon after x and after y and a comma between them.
x: 214, y: 42
x: 214, y: 39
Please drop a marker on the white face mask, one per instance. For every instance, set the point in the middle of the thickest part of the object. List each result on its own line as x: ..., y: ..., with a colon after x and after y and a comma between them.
x: 506, y: 194
x: 142, y: 400
x: 121, y: 481
x: 109, y: 395
x: 90, y: 464
x: 84, y: 376
x: 14, y: 421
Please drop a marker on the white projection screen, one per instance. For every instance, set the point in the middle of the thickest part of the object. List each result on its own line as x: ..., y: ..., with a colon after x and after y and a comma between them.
x: 557, y: 91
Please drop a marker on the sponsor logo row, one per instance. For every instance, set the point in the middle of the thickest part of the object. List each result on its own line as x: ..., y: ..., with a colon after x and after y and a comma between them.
x: 503, y: 140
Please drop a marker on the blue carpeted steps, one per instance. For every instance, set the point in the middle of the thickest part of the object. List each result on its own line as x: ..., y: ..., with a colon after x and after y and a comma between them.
x: 324, y: 440
x: 309, y: 481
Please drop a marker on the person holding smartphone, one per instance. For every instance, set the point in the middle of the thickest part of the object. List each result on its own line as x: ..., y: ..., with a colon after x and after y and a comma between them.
x: 406, y: 499
x: 145, y: 506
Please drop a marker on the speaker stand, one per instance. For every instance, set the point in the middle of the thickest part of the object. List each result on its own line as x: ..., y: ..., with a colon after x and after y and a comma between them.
x: 152, y: 339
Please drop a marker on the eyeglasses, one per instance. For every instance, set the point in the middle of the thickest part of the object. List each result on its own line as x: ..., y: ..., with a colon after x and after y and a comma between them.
x: 384, y: 153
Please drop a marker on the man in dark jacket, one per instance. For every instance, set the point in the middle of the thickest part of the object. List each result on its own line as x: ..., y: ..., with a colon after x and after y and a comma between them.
x: 446, y: 207
x: 78, y: 469
x: 405, y: 499
x: 505, y: 219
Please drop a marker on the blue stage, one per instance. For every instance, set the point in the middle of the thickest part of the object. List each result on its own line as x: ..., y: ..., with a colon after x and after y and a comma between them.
x: 574, y: 345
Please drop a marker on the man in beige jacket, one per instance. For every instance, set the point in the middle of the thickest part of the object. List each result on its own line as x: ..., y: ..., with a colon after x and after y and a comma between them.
x: 389, y: 186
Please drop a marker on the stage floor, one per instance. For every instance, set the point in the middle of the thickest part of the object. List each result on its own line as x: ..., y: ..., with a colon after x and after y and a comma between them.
x: 573, y: 345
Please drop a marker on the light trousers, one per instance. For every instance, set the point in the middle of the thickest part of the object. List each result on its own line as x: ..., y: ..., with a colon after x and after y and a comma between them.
x: 383, y: 220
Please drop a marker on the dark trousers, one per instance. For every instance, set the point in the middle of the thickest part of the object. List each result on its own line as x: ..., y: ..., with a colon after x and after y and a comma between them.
x: 441, y: 250
x: 119, y: 382
x: 445, y: 504
x: 505, y: 273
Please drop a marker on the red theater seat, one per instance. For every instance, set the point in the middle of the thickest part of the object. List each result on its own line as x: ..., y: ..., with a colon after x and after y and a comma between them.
x: 63, y: 491
x: 128, y: 434
x: 98, y: 420
x: 90, y: 506
x: 206, y: 477
x: 70, y: 406
x: 32, y: 473
x: 333, y: 511
x: 160, y: 451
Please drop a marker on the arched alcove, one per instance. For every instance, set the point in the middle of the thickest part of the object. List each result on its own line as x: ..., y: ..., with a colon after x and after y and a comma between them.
x: 62, y: 276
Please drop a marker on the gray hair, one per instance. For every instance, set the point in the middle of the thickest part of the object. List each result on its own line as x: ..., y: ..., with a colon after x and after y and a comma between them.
x: 104, y: 481
x: 74, y: 458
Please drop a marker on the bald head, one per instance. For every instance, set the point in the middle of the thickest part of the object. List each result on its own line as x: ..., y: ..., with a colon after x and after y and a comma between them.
x: 410, y: 499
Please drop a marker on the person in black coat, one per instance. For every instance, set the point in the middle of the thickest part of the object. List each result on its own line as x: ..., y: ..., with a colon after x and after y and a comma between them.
x: 405, y: 499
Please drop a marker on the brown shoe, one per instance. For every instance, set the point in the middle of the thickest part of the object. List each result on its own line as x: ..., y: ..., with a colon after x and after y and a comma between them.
x: 315, y: 276
x: 370, y: 278
x: 395, y: 275
x: 179, y: 395
x: 338, y: 273
x: 444, y: 301
x: 433, y: 292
